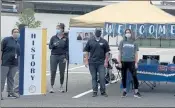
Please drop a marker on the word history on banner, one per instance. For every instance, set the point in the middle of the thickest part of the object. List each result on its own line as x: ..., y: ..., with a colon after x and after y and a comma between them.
x: 146, y: 30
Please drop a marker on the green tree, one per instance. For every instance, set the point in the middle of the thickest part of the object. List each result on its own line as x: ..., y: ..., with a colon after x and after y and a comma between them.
x: 27, y: 17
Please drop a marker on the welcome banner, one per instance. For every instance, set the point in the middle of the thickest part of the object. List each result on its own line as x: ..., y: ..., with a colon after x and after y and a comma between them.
x: 146, y: 30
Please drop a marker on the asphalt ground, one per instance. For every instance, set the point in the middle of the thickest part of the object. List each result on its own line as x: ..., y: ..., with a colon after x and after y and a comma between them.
x: 79, y: 90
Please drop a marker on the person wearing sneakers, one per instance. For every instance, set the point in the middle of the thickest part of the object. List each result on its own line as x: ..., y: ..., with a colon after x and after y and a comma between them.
x: 59, y: 53
x: 98, y: 49
x: 128, y: 60
x: 10, y: 51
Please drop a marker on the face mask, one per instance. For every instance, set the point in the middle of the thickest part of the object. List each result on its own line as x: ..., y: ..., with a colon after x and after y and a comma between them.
x: 98, y: 33
x: 128, y: 35
x: 58, y: 31
x: 16, y: 35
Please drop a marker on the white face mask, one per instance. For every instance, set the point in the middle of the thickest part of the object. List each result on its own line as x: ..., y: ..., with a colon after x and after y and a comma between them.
x: 128, y: 35
x: 16, y: 35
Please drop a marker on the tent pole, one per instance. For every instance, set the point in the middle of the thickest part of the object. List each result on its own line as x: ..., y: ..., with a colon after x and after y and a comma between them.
x: 160, y: 42
x: 108, y: 38
x: 170, y: 41
x: 67, y: 75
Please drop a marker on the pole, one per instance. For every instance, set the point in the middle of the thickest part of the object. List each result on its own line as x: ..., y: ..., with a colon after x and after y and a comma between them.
x: 0, y: 45
x: 160, y: 41
x: 140, y: 41
x: 170, y: 41
x: 150, y: 41
x: 108, y: 38
x: 67, y: 75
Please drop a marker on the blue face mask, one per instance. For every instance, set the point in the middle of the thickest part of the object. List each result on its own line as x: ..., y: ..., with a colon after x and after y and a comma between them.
x: 58, y: 31
x: 19, y: 36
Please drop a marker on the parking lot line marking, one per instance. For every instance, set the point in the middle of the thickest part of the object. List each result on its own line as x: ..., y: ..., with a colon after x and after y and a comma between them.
x: 71, y: 73
x: 48, y: 72
x: 72, y: 68
x: 89, y: 91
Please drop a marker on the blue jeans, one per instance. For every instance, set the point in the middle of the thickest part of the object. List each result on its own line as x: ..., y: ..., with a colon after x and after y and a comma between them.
x: 94, y: 69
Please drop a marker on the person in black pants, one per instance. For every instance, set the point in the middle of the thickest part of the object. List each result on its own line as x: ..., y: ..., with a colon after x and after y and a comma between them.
x: 59, y: 53
x: 98, y: 49
x: 10, y: 52
x: 128, y: 58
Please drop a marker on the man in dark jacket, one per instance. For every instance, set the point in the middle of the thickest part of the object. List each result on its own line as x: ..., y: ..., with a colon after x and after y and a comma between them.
x: 98, y: 49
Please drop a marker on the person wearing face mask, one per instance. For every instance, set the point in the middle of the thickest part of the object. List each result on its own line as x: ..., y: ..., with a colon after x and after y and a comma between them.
x: 10, y: 51
x: 128, y: 59
x: 98, y: 49
x: 59, y: 54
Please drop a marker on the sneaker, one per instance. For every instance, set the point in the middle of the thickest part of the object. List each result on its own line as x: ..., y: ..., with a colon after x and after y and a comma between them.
x: 137, y: 95
x: 104, y: 94
x: 15, y: 95
x: 124, y: 94
x: 94, y: 94
x: 51, y: 90
x: 61, y: 89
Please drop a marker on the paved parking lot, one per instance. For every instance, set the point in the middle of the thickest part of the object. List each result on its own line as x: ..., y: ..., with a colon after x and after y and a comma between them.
x: 79, y: 90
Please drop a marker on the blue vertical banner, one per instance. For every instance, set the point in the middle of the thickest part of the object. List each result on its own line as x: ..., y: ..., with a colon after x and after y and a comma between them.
x: 108, y: 29
x: 171, y: 30
x: 21, y: 69
x: 162, y: 30
x: 119, y: 29
x: 132, y: 27
x: 141, y: 30
x: 151, y: 30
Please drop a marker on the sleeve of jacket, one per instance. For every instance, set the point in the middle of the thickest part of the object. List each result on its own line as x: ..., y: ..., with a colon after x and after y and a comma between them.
x: 3, y: 43
x: 51, y: 46
x: 67, y: 48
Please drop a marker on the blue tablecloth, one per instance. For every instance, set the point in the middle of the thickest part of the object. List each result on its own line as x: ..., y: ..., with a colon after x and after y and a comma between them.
x: 156, y: 72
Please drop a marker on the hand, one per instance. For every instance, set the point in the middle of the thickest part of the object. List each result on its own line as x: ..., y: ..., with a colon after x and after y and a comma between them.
x: 120, y: 65
x: 55, y: 44
x: 86, y: 64
x: 136, y: 65
x: 106, y: 64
